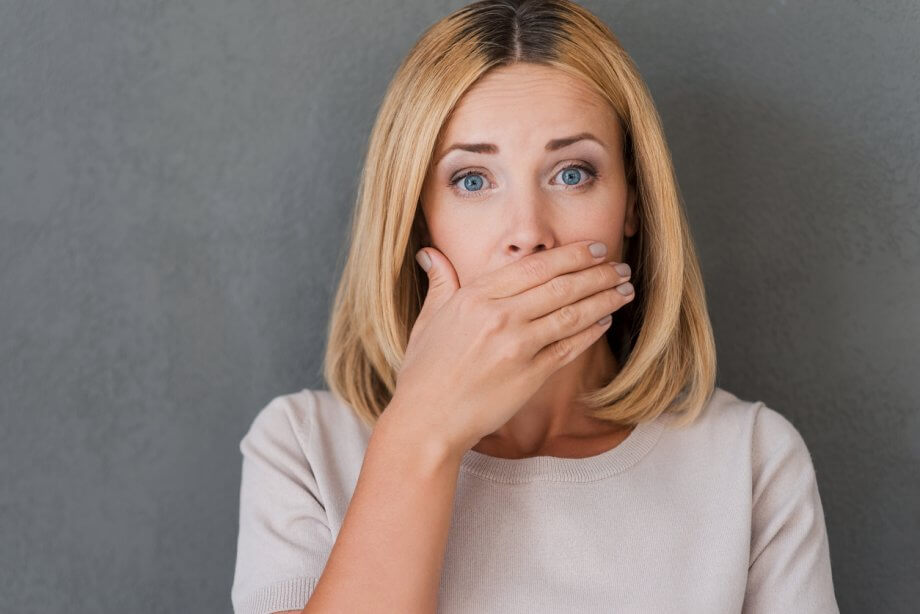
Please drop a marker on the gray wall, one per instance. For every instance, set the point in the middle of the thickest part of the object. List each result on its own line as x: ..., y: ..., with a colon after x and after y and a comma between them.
x: 175, y: 184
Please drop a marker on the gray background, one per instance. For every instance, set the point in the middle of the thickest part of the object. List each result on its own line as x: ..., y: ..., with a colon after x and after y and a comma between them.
x: 176, y: 178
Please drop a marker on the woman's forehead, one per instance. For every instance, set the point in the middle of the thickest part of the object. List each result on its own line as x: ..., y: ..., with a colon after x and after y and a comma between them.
x: 532, y: 102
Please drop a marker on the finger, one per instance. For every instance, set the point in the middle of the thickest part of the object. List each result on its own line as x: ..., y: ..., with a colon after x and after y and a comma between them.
x: 538, y: 268
x: 565, y: 289
x: 577, y: 316
x: 442, y: 280
x: 563, y: 351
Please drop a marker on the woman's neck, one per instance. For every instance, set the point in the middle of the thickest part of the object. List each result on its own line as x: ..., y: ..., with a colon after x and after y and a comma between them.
x: 552, y: 420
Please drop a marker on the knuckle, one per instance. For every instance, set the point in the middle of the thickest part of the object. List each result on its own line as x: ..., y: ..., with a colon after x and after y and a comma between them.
x: 562, y: 348
x: 496, y: 318
x: 560, y: 287
x: 476, y: 286
x: 469, y: 298
x: 577, y: 259
x: 534, y: 269
x: 512, y: 349
x: 567, y: 316
x: 470, y: 305
x: 608, y: 275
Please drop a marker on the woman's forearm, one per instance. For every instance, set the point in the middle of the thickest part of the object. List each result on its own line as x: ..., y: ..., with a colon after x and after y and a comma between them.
x: 389, y: 553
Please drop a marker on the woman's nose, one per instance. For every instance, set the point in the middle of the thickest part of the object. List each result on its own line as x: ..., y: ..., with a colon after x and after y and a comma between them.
x: 529, y: 228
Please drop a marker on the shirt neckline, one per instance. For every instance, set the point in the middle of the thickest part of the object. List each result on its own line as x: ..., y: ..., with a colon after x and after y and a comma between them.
x: 558, y: 469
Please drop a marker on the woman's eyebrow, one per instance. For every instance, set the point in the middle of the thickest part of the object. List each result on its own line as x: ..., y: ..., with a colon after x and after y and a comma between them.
x: 552, y: 145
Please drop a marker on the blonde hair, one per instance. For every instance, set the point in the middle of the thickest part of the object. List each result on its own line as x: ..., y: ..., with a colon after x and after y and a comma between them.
x: 662, y: 339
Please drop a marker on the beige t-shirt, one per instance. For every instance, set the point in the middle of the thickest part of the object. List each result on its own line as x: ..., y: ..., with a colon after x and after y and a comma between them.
x: 721, y: 516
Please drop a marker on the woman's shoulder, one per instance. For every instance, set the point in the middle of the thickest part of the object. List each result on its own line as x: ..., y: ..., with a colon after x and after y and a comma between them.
x: 726, y: 410
x: 744, y: 427
x: 308, y: 421
x: 763, y: 421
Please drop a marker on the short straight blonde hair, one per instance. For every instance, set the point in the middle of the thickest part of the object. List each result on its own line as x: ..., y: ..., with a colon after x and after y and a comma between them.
x: 662, y: 339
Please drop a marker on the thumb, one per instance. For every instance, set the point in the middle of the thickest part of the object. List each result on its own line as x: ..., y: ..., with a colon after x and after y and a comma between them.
x: 442, y: 278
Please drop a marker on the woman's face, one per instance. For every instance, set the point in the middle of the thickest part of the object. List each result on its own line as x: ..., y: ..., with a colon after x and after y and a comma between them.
x: 526, y: 186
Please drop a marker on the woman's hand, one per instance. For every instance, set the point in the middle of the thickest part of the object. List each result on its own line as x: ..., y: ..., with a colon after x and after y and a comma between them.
x: 477, y: 353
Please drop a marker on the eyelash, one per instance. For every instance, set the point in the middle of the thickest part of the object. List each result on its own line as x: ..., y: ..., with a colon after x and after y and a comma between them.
x: 586, y: 168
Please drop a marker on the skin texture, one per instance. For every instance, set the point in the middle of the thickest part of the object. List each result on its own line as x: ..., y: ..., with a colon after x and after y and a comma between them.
x: 518, y: 203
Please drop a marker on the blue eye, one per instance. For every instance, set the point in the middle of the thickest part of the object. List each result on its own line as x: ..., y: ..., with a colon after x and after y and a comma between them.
x: 572, y: 174
x: 472, y: 181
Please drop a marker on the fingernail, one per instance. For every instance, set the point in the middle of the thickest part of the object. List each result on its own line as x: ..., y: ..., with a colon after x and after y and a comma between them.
x: 597, y: 249
x: 625, y: 288
x: 623, y: 269
x: 423, y: 259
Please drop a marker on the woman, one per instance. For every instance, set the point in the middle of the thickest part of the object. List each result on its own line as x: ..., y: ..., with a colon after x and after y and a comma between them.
x: 491, y: 441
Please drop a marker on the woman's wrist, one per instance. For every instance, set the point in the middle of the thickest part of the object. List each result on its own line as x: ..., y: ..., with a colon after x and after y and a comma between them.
x: 403, y: 422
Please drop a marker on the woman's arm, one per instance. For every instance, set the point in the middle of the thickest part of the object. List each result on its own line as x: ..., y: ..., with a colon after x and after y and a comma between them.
x: 390, y: 551
x: 790, y: 566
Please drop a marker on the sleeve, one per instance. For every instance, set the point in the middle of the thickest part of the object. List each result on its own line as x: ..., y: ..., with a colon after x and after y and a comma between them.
x: 284, y: 539
x: 790, y: 567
